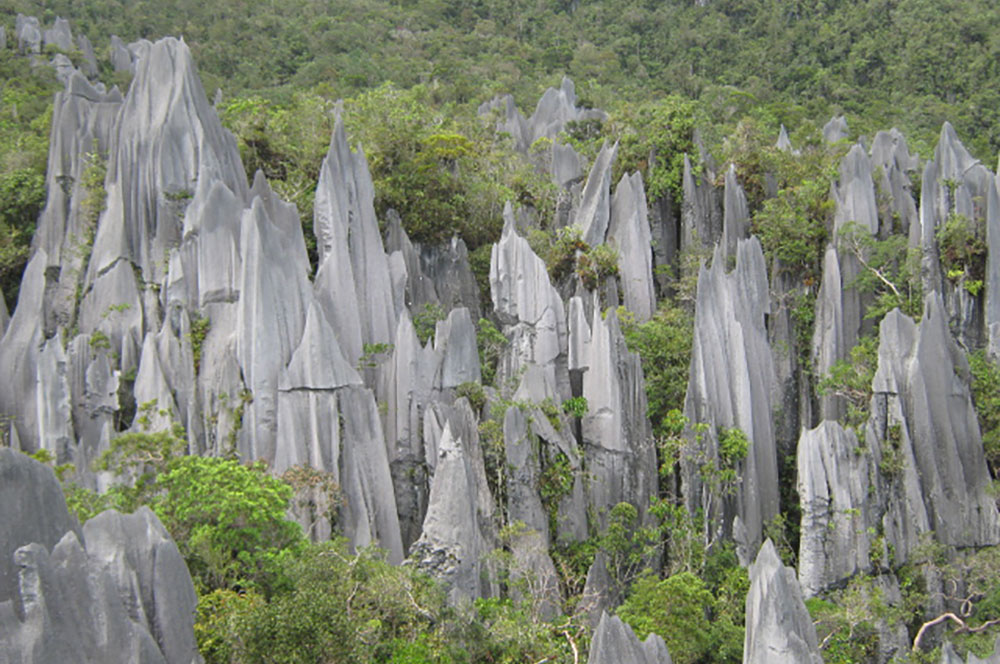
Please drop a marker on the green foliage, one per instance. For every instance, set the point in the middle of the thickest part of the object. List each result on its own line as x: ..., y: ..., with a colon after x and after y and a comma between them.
x: 962, y: 247
x: 597, y: 264
x: 474, y: 393
x: 575, y: 406
x: 846, y: 637
x: 889, y: 270
x: 200, y: 325
x: 676, y: 608
x: 373, y: 354
x: 228, y: 520
x: 986, y: 396
x: 852, y: 380
x: 425, y: 320
x: 664, y: 345
x: 792, y: 225
x: 663, y: 131
x: 490, y: 342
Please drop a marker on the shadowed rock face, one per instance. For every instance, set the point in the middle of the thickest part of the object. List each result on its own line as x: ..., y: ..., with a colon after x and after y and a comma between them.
x: 922, y: 415
x: 614, y: 642
x: 118, y: 591
x: 731, y: 384
x: 955, y: 183
x: 778, y: 627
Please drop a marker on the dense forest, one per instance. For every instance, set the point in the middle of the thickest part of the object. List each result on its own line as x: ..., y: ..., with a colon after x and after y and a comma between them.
x: 685, y: 89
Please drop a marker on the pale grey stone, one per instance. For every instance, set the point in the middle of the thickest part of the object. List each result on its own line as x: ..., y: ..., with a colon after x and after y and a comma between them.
x: 274, y: 299
x: 701, y: 209
x: 59, y: 35
x: 530, y: 311
x: 629, y: 234
x: 167, y: 137
x: 778, y: 627
x: 835, y: 130
x: 29, y: 34
x: 834, y: 476
x: 828, y: 343
x: 452, y: 545
x: 356, y: 282
x: 731, y: 384
x: 530, y: 544
x: 616, y: 438
x: 893, y: 164
x: 121, y: 58
x: 614, y: 642
x: 922, y: 413
x: 89, y: 57
x: 783, y: 143
x: 735, y: 214
x: 594, y: 213
x: 152, y: 579
x: 33, y: 510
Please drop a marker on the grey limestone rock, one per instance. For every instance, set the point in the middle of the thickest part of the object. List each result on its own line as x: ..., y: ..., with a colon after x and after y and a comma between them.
x: 369, y: 515
x: 509, y: 120
x: 531, y: 312
x: 454, y: 542
x: 594, y: 214
x: 783, y: 143
x: 20, y: 349
x: 923, y: 416
x: 59, y: 35
x: 152, y: 579
x: 614, y: 642
x: 455, y: 342
x: 854, y: 194
x: 993, y: 268
x: 735, y: 214
x: 836, y: 129
x: 834, y: 479
x: 954, y: 183
x: 274, y: 300
x: 530, y: 545
x: 89, y: 57
x: 629, y: 234
x: 3, y: 38
x: 616, y: 437
x: 778, y: 627
x: 567, y: 165
x: 556, y: 108
x: 701, y: 209
x: 893, y: 164
x: 949, y: 656
x: 121, y: 58
x: 33, y: 510
x: 731, y: 385
x: 828, y: 342
x: 355, y: 286
x: 166, y: 138
x: 29, y: 34
x: 124, y: 597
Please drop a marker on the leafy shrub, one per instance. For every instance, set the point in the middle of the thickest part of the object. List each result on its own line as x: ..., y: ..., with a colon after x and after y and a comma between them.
x: 676, y: 608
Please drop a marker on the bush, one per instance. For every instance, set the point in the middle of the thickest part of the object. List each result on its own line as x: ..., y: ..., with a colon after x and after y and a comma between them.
x: 677, y: 609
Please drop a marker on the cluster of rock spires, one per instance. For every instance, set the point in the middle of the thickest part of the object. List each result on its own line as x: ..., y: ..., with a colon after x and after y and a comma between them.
x: 186, y: 296
x: 114, y: 590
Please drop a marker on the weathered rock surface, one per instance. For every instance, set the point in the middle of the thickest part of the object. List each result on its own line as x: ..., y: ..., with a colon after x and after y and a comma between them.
x: 629, y: 233
x: 701, y: 209
x: 778, y: 627
x: 731, y: 383
x: 834, y: 480
x: 594, y: 214
x: 124, y: 597
x: 735, y: 214
x: 923, y: 431
x: 532, y: 314
x: 836, y: 129
x: 456, y: 537
x: 614, y: 642
x: 954, y: 184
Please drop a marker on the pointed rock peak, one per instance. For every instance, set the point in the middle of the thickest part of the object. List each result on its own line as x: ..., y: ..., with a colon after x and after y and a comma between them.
x: 784, y: 143
x: 318, y: 363
x: 835, y: 130
x: 509, y: 222
x: 614, y: 642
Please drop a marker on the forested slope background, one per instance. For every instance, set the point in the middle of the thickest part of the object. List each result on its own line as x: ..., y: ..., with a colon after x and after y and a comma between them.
x: 715, y: 81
